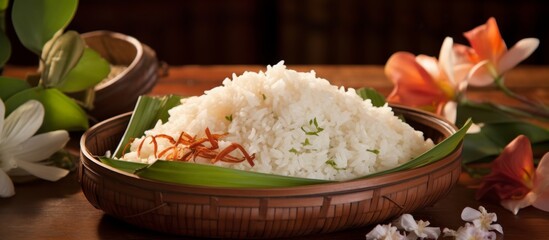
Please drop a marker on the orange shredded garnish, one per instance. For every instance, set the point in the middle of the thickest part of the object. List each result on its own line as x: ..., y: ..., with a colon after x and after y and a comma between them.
x: 188, y: 148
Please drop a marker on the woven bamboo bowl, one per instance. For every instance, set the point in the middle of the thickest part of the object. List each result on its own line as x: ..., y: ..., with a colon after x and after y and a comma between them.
x: 138, y: 78
x: 263, y: 213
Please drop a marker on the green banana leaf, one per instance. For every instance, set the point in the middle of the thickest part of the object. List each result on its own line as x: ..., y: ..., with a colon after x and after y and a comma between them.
x: 147, y: 112
x: 207, y: 175
x: 90, y: 70
x: 151, y: 109
x: 61, y: 112
x: 11, y: 86
x: 37, y: 21
x: 377, y: 99
x: 499, y: 127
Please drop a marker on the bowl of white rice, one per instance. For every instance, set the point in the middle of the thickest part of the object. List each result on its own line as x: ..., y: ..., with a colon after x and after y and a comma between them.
x: 293, y: 124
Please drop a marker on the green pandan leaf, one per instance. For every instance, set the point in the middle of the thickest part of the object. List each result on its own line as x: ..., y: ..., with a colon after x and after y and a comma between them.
x: 37, y: 21
x: 215, y: 176
x: 63, y: 55
x: 11, y: 86
x: 206, y: 175
x: 377, y: 99
x: 129, y: 167
x: 90, y: 70
x: 146, y: 113
x: 151, y: 109
x: 61, y: 112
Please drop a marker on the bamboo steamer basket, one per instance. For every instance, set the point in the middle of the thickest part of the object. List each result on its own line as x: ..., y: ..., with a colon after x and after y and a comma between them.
x: 138, y: 78
x: 263, y: 213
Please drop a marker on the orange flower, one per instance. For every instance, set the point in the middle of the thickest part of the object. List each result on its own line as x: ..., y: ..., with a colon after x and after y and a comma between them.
x: 423, y: 81
x: 488, y: 56
x: 514, y: 182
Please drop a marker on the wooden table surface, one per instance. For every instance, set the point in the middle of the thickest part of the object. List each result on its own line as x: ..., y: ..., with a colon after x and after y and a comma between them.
x: 59, y: 210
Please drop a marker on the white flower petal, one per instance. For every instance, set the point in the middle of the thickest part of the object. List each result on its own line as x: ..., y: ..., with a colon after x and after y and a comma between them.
x: 480, y: 75
x: 378, y: 232
x: 446, y: 58
x: 386, y: 232
x: 23, y: 122
x: 449, y: 232
x: 514, y: 205
x: 406, y: 222
x: 430, y: 64
x: 45, y: 172
x: 42, y: 146
x: 431, y: 232
x: 517, y: 54
x: 497, y: 227
x: 470, y: 214
x: 6, y: 185
x: 450, y: 111
x: 542, y: 201
x: 541, y: 184
x: 461, y: 72
x: 475, y: 128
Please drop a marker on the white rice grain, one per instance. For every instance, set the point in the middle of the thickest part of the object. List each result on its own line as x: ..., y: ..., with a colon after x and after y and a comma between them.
x: 271, y: 112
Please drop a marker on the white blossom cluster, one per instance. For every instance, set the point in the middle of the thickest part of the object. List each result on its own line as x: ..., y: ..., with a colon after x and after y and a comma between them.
x: 478, y: 227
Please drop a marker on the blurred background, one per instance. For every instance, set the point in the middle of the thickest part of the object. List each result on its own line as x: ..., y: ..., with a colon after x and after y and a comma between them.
x: 303, y: 31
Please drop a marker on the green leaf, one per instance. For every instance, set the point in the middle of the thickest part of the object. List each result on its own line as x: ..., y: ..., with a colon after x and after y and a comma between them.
x: 147, y: 112
x: 206, y: 175
x: 377, y: 99
x: 90, y: 70
x: 37, y: 21
x: 63, y: 55
x: 5, y: 48
x: 61, y: 112
x: 215, y: 176
x: 4, y: 5
x: 129, y: 167
x: 438, y: 152
x: 490, y: 141
x: 151, y: 109
x: 481, y: 113
x: 479, y: 148
x: 11, y: 86
x: 503, y: 133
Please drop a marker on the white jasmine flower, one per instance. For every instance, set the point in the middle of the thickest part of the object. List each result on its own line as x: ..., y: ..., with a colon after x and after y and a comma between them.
x: 481, y: 219
x: 469, y: 232
x: 385, y: 232
x: 417, y: 229
x: 21, y: 152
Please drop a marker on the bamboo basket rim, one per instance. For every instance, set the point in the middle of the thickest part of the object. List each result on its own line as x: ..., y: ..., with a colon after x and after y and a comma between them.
x: 445, y: 127
x: 129, y: 39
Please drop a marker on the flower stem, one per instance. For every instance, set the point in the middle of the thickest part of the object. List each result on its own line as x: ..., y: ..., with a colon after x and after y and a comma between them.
x: 535, y: 108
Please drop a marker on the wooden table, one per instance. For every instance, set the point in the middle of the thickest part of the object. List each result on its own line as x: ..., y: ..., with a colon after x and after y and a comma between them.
x: 59, y: 210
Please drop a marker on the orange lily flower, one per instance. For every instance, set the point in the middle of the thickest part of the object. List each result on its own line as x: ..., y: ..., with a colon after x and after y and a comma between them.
x: 514, y: 182
x: 423, y: 81
x: 488, y: 56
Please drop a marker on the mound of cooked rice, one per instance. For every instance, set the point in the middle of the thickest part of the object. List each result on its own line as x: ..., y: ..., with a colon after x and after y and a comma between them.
x: 270, y: 113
